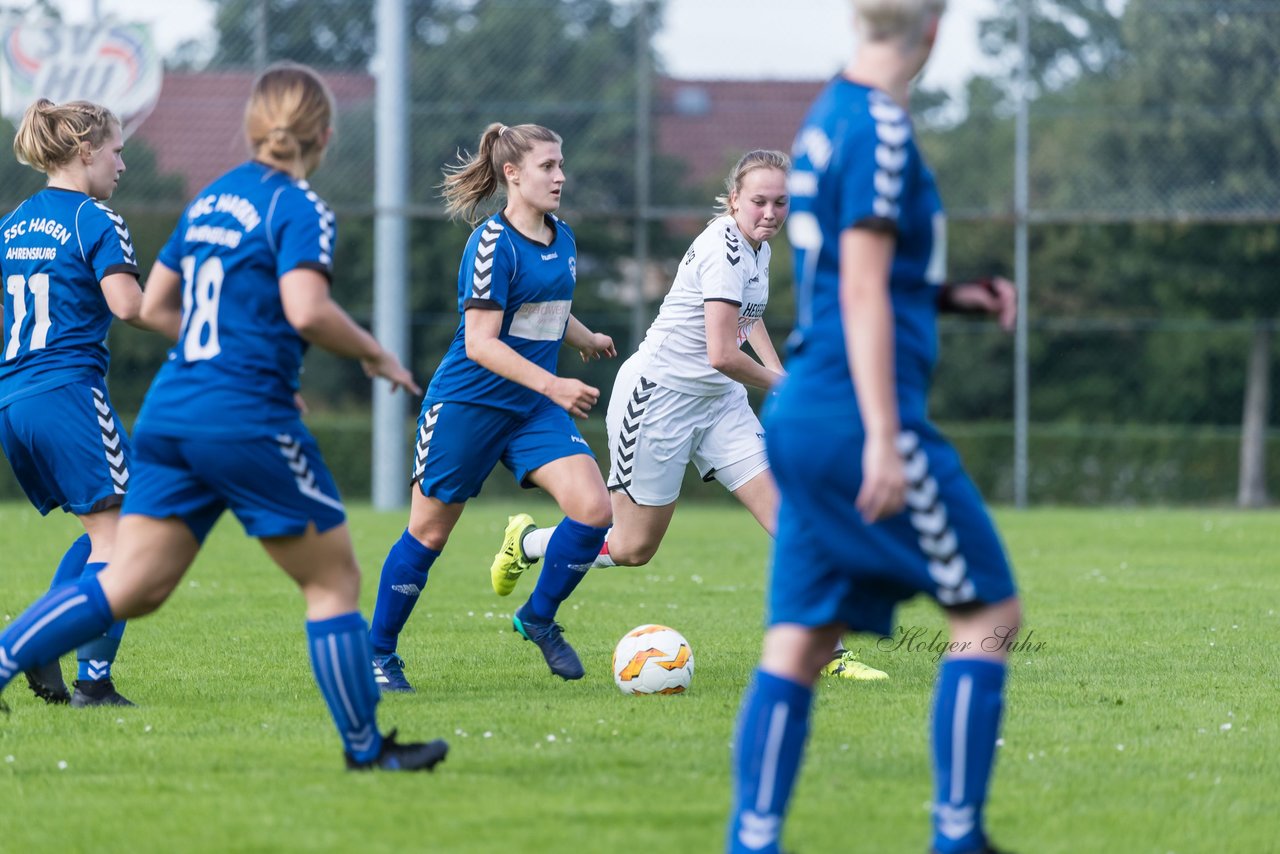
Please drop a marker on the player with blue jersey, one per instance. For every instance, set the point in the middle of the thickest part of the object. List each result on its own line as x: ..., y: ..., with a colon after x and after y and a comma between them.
x: 875, y: 506
x: 496, y: 396
x: 682, y: 397
x: 69, y: 267
x: 243, y: 287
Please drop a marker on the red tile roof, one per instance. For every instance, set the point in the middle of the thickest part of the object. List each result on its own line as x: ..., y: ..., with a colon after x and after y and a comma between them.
x: 195, y: 129
x: 710, y: 123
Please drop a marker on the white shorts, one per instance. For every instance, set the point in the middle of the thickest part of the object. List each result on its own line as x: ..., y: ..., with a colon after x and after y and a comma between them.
x: 655, y: 432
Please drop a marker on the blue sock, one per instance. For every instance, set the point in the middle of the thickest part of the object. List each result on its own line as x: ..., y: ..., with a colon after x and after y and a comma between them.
x: 58, y: 622
x: 570, y: 552
x: 773, y: 725
x: 340, y: 656
x: 96, y: 657
x: 71, y: 567
x: 966, y: 722
x: 404, y: 577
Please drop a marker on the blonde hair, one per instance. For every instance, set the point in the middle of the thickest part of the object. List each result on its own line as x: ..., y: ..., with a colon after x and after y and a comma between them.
x: 890, y: 20
x: 288, y: 116
x: 761, y: 158
x: 51, y: 135
x: 477, y: 177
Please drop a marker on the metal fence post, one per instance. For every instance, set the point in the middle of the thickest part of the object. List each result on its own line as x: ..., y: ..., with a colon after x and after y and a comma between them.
x: 1021, y: 381
x: 390, y: 305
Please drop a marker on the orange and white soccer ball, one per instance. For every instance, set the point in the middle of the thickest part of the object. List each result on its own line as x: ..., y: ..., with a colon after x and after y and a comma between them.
x: 653, y: 659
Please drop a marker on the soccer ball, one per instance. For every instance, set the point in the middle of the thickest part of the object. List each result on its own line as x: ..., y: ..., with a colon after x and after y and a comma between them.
x: 652, y: 659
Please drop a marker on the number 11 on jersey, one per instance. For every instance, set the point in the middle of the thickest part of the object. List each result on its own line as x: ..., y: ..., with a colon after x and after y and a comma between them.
x: 17, y: 286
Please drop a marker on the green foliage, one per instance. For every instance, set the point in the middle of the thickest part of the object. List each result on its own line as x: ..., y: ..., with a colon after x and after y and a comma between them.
x: 1142, y: 724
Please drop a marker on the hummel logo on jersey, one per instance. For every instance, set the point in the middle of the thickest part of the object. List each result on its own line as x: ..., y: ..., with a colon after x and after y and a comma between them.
x: 407, y: 589
x: 550, y: 256
x: 482, y: 277
x: 733, y: 248
x: 578, y: 439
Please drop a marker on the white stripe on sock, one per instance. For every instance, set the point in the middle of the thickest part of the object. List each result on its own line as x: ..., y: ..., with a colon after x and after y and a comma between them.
x: 769, y: 767
x: 46, y: 620
x: 341, y: 686
x: 960, y: 738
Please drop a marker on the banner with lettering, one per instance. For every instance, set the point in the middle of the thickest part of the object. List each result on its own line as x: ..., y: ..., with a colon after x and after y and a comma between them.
x: 110, y: 63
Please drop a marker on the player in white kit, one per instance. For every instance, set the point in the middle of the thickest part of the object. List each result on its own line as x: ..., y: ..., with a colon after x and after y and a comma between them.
x: 682, y: 398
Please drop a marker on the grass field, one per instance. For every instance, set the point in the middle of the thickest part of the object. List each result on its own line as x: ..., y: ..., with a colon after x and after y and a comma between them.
x: 1144, y: 722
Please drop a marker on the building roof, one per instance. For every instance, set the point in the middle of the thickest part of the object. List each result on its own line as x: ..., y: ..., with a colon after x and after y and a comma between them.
x: 709, y: 124
x: 195, y: 129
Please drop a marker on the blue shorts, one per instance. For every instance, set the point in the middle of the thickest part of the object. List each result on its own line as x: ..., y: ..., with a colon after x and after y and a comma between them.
x: 831, y: 567
x: 458, y: 444
x: 275, y: 485
x: 67, y: 448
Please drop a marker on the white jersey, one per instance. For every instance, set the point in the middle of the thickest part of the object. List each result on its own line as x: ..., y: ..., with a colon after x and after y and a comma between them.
x: 720, y: 265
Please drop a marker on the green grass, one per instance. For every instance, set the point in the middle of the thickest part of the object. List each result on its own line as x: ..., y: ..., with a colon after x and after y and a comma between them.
x: 1159, y: 629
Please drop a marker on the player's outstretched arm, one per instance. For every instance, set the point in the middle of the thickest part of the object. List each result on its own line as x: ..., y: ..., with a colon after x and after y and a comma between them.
x: 162, y: 302
x: 724, y: 352
x: 487, y: 350
x: 995, y: 296
x: 590, y: 345
x: 865, y: 259
x: 310, y: 309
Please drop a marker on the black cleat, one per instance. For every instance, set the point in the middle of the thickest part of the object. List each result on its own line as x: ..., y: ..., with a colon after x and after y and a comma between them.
x: 548, y: 636
x: 101, y: 693
x: 410, y: 756
x: 46, y: 683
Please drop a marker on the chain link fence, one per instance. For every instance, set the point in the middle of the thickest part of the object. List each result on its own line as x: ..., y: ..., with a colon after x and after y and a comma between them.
x: 1153, y: 207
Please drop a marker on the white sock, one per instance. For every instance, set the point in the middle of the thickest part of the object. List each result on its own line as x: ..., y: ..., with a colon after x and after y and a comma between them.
x: 535, y: 542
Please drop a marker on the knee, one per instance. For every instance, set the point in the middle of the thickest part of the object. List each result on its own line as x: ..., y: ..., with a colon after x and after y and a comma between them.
x: 598, y: 516
x: 137, y: 601
x: 429, y: 533
x: 632, y: 554
x: 797, y: 652
x: 593, y: 510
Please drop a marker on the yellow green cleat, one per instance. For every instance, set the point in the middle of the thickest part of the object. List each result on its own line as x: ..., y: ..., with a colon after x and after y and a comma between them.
x: 845, y: 665
x: 510, y: 562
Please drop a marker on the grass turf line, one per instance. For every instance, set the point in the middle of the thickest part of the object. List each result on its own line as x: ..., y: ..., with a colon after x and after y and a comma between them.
x: 1143, y: 724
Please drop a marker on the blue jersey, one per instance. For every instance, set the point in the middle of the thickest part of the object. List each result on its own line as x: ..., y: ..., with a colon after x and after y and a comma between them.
x: 532, y: 285
x: 857, y: 166
x: 58, y: 247
x: 235, y: 367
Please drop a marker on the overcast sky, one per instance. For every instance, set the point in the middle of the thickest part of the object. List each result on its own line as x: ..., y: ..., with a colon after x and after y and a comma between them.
x: 811, y: 39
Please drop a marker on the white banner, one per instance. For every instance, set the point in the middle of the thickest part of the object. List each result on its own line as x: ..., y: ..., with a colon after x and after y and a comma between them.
x: 110, y: 63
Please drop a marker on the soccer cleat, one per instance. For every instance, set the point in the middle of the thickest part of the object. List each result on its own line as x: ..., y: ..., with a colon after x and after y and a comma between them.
x: 410, y: 756
x: 101, y: 693
x: 46, y: 683
x: 388, y: 672
x: 510, y: 562
x: 844, y: 664
x: 549, y: 638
